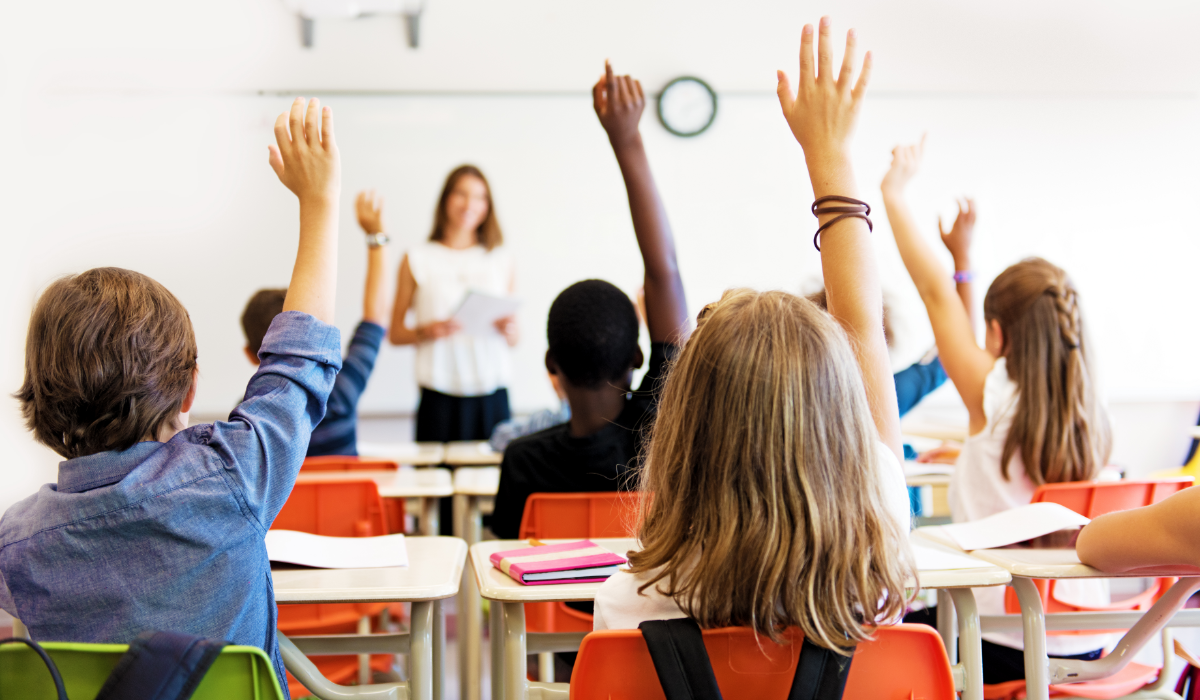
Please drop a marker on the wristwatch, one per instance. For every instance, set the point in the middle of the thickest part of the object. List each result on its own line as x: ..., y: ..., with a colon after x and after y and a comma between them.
x: 374, y: 240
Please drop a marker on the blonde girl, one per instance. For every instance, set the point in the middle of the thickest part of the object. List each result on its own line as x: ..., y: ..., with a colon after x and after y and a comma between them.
x: 778, y: 498
x: 1034, y: 414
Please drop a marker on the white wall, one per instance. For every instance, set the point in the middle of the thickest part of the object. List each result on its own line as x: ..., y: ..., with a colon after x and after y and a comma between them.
x: 138, y: 139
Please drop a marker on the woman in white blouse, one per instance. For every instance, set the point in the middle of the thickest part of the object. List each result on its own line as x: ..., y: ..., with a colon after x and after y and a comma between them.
x: 463, y: 377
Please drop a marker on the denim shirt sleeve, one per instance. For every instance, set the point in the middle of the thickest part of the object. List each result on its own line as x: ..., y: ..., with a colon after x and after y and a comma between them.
x: 6, y: 600
x: 264, y: 441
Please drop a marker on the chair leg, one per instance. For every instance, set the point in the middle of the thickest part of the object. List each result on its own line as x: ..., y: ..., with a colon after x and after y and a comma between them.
x: 546, y: 667
x: 364, y: 660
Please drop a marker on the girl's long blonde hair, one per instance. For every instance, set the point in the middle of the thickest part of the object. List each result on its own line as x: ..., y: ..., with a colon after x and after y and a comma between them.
x: 1060, y: 429
x: 767, y: 508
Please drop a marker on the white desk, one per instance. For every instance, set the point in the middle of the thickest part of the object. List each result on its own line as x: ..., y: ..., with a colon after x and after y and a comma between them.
x: 433, y: 574
x: 471, y: 454
x: 1041, y: 671
x: 417, y: 454
x: 472, y: 485
x: 426, y: 485
x: 511, y: 644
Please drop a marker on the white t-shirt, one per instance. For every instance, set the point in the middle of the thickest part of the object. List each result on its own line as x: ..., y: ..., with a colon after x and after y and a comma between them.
x: 620, y: 606
x: 978, y: 489
x: 461, y: 364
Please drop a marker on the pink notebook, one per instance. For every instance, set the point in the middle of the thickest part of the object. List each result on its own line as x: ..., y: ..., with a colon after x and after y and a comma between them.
x: 570, y: 562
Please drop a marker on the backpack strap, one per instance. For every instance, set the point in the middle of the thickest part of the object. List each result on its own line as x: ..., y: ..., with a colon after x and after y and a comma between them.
x: 59, y: 689
x: 680, y: 659
x: 161, y: 666
x: 820, y: 675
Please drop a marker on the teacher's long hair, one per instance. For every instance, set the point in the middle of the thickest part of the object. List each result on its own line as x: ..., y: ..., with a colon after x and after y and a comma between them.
x: 488, y: 234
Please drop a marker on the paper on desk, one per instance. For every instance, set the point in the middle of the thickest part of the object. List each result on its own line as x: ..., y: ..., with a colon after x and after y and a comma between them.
x: 291, y: 547
x: 915, y: 468
x: 930, y: 559
x: 390, y: 450
x: 479, y: 312
x: 1014, y: 525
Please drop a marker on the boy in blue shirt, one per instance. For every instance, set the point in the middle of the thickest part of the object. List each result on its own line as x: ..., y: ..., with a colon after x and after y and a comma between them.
x: 153, y: 525
x: 337, y: 432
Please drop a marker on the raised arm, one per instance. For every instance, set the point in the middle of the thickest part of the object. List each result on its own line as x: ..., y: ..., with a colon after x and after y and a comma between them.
x: 966, y: 364
x: 619, y: 102
x: 1164, y: 534
x: 958, y: 241
x: 376, y: 304
x: 307, y: 162
x: 822, y: 114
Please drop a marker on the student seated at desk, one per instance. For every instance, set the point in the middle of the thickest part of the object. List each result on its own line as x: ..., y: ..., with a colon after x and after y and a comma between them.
x: 1035, y: 417
x: 153, y: 525
x: 593, y: 336
x: 337, y: 432
x: 774, y: 463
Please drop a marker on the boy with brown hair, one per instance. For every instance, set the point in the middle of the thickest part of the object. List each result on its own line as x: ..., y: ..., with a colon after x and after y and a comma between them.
x: 337, y: 434
x: 153, y: 525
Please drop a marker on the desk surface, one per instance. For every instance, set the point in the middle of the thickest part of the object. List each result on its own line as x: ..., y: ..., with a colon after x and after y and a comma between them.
x: 477, y: 481
x: 473, y: 453
x: 404, y: 482
x: 435, y: 566
x: 417, y: 454
x: 927, y: 480
x: 1064, y: 563
x: 496, y: 585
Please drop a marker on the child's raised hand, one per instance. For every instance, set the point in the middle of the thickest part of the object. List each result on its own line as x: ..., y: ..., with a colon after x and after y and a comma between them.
x: 306, y: 157
x: 906, y: 160
x: 369, y: 208
x: 958, y: 239
x: 618, y: 101
x: 824, y: 108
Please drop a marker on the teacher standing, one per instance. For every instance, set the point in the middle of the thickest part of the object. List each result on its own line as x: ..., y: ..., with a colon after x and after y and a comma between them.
x: 463, y: 378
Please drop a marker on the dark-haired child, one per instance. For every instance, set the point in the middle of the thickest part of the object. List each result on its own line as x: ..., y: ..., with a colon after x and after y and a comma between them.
x: 153, y: 525
x: 593, y: 343
x: 337, y: 432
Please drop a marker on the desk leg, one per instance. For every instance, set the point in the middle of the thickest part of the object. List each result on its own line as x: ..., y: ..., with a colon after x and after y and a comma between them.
x: 516, y: 686
x: 970, y: 641
x: 496, y: 632
x: 470, y: 617
x: 429, y: 516
x: 945, y: 625
x: 420, y: 655
x: 1033, y: 622
x: 439, y: 649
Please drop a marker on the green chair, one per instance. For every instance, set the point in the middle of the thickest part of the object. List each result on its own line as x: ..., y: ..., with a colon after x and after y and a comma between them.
x: 239, y: 673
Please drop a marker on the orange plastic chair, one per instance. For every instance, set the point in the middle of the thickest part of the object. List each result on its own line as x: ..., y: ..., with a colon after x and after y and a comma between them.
x: 1091, y: 499
x: 335, y: 509
x: 393, y: 508
x: 574, y: 516
x: 900, y: 663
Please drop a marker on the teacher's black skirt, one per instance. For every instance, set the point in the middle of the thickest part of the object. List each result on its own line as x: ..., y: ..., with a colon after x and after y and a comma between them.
x: 445, y: 418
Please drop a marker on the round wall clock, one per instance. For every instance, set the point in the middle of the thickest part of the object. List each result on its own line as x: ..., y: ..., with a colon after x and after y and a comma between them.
x: 687, y: 106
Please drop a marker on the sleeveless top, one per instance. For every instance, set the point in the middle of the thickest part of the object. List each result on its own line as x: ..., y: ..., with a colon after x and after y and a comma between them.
x: 461, y: 364
x: 978, y: 489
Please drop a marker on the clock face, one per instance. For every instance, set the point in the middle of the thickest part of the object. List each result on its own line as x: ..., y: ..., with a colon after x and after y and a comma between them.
x: 687, y: 106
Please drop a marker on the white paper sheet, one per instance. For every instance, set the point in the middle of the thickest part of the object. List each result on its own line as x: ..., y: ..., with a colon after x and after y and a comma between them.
x: 931, y: 559
x: 1015, y: 525
x: 479, y: 312
x: 291, y: 547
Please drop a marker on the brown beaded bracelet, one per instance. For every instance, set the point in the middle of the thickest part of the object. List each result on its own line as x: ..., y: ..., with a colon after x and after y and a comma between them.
x: 859, y: 210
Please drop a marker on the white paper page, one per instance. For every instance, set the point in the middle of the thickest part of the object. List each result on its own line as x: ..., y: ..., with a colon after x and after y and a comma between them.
x: 930, y: 559
x: 1015, y: 525
x: 914, y: 468
x: 479, y: 312
x: 291, y: 547
x: 389, y: 450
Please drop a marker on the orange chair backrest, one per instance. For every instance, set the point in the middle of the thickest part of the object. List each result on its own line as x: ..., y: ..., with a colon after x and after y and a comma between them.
x: 347, y: 508
x: 904, y: 661
x: 331, y: 463
x: 1094, y: 498
x: 580, y: 515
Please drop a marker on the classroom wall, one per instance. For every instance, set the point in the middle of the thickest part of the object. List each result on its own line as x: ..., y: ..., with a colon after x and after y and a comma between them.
x: 140, y: 132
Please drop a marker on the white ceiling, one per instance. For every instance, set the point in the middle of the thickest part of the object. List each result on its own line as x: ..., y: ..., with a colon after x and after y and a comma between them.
x: 925, y: 46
